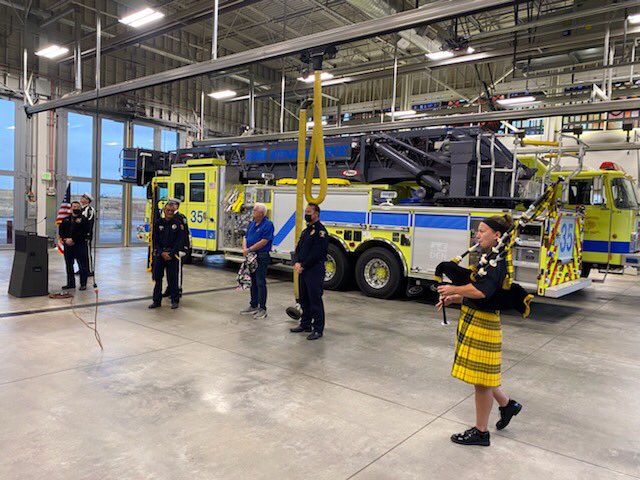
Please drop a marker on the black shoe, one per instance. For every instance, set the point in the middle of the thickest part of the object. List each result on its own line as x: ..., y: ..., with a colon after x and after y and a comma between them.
x: 174, y: 305
x: 83, y: 287
x: 507, y: 413
x: 165, y: 295
x: 69, y: 287
x: 299, y: 329
x: 473, y: 436
x: 314, y: 336
x: 154, y: 305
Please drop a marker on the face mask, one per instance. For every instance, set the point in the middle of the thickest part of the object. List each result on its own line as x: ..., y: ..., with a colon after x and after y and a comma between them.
x: 307, y: 218
x: 77, y: 211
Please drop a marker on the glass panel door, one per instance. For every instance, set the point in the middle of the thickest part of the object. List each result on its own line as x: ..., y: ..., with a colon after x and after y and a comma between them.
x: 138, y: 214
x: 111, y: 214
x: 6, y: 210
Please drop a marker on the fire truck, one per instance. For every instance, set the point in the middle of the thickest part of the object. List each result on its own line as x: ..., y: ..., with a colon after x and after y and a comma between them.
x: 397, y: 205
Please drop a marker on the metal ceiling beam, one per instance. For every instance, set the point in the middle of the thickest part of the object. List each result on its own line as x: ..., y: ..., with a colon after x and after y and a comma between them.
x: 432, y: 13
x: 186, y: 17
x: 440, y: 120
x: 580, y: 14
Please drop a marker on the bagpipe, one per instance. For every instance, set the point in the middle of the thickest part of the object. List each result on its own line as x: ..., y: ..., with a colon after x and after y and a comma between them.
x: 510, y: 296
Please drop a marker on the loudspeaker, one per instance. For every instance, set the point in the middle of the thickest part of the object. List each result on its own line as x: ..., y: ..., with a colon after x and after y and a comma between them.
x: 30, y: 272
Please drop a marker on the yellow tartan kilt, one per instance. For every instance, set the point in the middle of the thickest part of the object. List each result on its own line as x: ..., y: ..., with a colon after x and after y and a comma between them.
x: 478, y: 355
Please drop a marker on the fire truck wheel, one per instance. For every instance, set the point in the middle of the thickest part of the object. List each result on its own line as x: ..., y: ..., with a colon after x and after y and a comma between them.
x: 379, y: 273
x: 338, y: 269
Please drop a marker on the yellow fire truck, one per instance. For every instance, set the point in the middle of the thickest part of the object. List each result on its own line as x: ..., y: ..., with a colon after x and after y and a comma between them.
x: 379, y: 239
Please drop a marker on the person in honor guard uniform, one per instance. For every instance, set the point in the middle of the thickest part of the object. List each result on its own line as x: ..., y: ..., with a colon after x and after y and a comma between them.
x: 90, y: 214
x: 73, y: 231
x: 167, y: 241
x: 184, y: 248
x: 309, y: 258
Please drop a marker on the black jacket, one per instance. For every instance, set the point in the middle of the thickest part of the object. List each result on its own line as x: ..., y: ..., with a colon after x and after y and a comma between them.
x: 90, y: 214
x: 75, y: 228
x: 312, y: 246
x: 167, y: 236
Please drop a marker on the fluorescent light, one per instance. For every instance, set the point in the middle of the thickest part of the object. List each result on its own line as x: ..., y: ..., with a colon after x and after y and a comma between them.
x: 470, y: 50
x: 12, y: 127
x: 52, y: 52
x: 223, y: 94
x: 112, y: 144
x: 634, y: 18
x: 142, y: 17
x: 311, y: 78
x: 440, y: 55
x: 402, y: 113
x: 310, y: 123
x: 516, y: 100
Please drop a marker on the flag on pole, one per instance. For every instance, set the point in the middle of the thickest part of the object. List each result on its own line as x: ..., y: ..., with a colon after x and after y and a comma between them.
x: 63, y: 212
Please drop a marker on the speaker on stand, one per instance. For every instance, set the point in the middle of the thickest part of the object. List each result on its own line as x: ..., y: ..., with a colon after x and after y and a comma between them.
x: 30, y: 272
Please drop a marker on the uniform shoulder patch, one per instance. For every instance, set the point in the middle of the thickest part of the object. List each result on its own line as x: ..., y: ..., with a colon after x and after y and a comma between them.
x: 323, y: 233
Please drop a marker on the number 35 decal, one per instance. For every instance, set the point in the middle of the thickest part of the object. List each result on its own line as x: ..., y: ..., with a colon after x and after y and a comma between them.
x: 566, y: 237
x: 196, y: 216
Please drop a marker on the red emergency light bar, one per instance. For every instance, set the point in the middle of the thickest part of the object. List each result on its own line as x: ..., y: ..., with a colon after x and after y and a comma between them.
x: 611, y: 166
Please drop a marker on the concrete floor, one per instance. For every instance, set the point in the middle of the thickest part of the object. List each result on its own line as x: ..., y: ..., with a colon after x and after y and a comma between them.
x: 203, y: 393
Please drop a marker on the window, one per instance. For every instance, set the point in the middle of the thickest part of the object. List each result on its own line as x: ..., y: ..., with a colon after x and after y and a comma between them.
x: 7, y: 134
x: 138, y: 213
x: 79, y: 145
x: 178, y: 191
x: 580, y: 192
x: 78, y: 189
x: 624, y: 196
x: 163, y: 192
x: 110, y: 216
x: 112, y: 142
x: 6, y: 209
x: 196, y: 192
x: 168, y: 140
x: 143, y: 137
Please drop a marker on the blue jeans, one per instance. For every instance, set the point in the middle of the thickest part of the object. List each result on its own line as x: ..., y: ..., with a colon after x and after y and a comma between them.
x: 259, y: 281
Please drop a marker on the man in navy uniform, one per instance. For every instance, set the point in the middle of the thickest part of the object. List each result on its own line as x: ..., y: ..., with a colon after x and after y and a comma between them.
x: 309, y: 258
x: 90, y: 214
x: 167, y: 241
x: 73, y: 231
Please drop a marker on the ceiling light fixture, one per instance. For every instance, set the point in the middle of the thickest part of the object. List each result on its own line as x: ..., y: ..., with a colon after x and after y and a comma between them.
x: 223, y: 94
x: 142, y: 17
x: 53, y: 51
x: 401, y: 113
x: 443, y: 55
x: 311, y: 78
x: 310, y: 123
x: 634, y: 18
x: 505, y: 102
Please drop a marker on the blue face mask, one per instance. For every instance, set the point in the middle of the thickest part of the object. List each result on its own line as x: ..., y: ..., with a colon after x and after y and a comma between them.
x: 77, y: 211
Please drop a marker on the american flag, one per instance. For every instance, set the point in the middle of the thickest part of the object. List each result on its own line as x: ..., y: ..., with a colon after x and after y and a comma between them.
x: 63, y: 212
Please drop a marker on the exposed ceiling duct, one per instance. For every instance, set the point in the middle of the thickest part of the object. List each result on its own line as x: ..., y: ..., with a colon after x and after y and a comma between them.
x: 381, y: 9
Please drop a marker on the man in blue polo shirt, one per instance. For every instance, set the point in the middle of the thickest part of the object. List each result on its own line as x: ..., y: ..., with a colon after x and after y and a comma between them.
x: 258, y: 239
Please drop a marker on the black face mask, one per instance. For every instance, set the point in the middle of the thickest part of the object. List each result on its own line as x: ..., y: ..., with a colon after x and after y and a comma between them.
x: 76, y: 212
x: 307, y: 218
